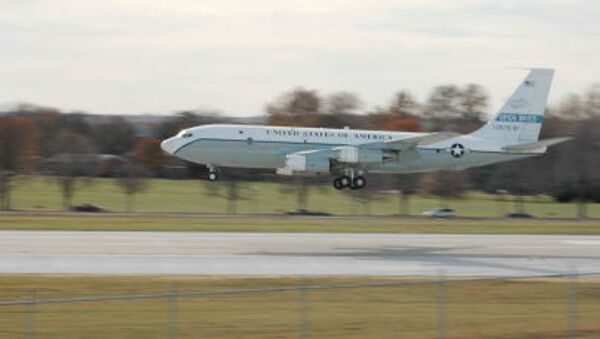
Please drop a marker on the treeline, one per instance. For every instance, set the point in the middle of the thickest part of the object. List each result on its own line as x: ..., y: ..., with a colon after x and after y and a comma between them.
x: 71, y: 148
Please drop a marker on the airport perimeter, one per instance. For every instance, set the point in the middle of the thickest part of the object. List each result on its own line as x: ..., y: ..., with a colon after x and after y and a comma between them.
x: 552, y: 306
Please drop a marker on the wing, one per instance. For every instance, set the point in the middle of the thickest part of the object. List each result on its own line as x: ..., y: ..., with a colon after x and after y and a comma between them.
x: 386, y: 151
x: 412, y: 142
x: 321, y: 160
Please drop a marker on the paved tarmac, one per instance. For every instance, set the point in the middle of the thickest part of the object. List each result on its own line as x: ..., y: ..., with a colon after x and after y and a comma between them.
x: 296, y: 254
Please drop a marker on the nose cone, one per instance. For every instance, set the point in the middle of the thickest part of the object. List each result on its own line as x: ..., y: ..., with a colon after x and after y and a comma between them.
x: 170, y: 145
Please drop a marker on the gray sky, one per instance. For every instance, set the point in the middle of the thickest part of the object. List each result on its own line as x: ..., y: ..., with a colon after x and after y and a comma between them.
x: 153, y: 56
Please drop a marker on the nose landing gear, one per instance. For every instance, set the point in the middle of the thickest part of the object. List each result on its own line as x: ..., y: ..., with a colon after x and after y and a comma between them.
x: 213, y: 173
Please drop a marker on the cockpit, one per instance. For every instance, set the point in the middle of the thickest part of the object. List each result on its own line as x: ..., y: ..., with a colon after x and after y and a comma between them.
x: 185, y: 134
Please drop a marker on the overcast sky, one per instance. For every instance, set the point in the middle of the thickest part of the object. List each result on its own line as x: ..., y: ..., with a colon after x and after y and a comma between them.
x: 153, y: 56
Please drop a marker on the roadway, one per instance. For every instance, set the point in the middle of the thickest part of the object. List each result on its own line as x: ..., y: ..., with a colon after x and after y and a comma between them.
x: 58, y: 252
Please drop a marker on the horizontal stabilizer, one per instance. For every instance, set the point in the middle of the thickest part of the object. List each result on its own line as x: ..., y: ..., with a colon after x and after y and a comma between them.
x: 536, y: 147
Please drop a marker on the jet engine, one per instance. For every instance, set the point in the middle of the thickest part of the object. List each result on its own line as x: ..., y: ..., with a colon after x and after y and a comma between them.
x: 355, y: 155
x: 308, y: 162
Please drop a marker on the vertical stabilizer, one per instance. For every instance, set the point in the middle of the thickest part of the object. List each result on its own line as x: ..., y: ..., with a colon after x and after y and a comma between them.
x: 520, y: 119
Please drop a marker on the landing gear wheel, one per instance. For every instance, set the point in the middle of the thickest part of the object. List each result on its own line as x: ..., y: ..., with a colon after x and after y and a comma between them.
x: 213, y: 174
x: 345, y: 181
x: 337, y: 183
x: 358, y: 183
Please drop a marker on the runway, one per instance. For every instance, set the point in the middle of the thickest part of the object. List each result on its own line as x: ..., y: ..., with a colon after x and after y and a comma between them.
x: 59, y: 252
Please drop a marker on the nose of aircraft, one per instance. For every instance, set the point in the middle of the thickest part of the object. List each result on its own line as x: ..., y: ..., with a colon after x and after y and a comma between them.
x: 169, y: 145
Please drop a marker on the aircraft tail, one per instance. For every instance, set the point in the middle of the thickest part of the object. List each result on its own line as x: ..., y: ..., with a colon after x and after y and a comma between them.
x: 520, y: 119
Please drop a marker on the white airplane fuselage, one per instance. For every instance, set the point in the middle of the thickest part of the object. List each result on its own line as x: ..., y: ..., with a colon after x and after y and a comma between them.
x: 267, y: 147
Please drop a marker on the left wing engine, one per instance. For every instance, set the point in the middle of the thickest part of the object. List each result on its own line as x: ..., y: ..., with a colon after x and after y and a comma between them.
x: 312, y: 161
x: 355, y: 155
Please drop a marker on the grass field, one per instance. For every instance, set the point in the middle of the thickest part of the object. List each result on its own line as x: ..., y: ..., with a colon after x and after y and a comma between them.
x: 491, y: 309
x: 99, y: 222
x: 195, y: 196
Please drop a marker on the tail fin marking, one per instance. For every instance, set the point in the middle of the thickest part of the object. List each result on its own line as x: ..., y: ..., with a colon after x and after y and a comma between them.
x: 520, y: 119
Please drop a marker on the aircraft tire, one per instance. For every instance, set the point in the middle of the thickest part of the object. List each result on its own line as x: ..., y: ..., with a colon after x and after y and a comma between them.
x: 345, y: 180
x: 359, y: 182
x: 337, y: 183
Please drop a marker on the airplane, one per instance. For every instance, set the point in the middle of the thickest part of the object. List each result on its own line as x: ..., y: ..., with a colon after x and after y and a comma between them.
x: 348, y: 154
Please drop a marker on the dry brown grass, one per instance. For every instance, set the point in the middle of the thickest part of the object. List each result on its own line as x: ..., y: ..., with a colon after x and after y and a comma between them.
x: 491, y: 309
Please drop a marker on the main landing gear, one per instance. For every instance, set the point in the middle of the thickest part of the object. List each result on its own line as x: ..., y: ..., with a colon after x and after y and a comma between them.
x: 213, y: 173
x: 354, y: 183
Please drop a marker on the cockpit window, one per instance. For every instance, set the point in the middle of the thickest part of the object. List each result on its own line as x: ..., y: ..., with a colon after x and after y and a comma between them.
x: 187, y: 135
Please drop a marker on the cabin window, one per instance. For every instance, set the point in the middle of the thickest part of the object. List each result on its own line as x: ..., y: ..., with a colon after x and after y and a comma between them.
x: 241, y: 132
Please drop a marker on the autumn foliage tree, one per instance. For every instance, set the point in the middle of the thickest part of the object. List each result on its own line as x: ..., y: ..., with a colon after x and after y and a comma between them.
x: 148, y: 151
x: 18, y: 152
x: 407, y: 124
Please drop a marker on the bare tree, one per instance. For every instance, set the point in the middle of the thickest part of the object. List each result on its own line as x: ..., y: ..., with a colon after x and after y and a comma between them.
x: 233, y: 196
x: 445, y: 185
x: 592, y: 101
x: 473, y: 102
x: 132, y: 178
x: 114, y: 137
x: 403, y: 104
x: 297, y: 102
x: 211, y: 190
x: 302, y: 187
x: 519, y: 179
x: 571, y: 107
x: 74, y: 160
x: 454, y: 108
x: 342, y: 103
x: 298, y: 107
x: 407, y: 185
x: 233, y: 191
x: 444, y: 102
x: 577, y: 175
x: 365, y: 198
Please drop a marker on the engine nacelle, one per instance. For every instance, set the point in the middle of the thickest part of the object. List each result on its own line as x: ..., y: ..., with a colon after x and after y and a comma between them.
x: 307, y: 162
x: 354, y: 155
